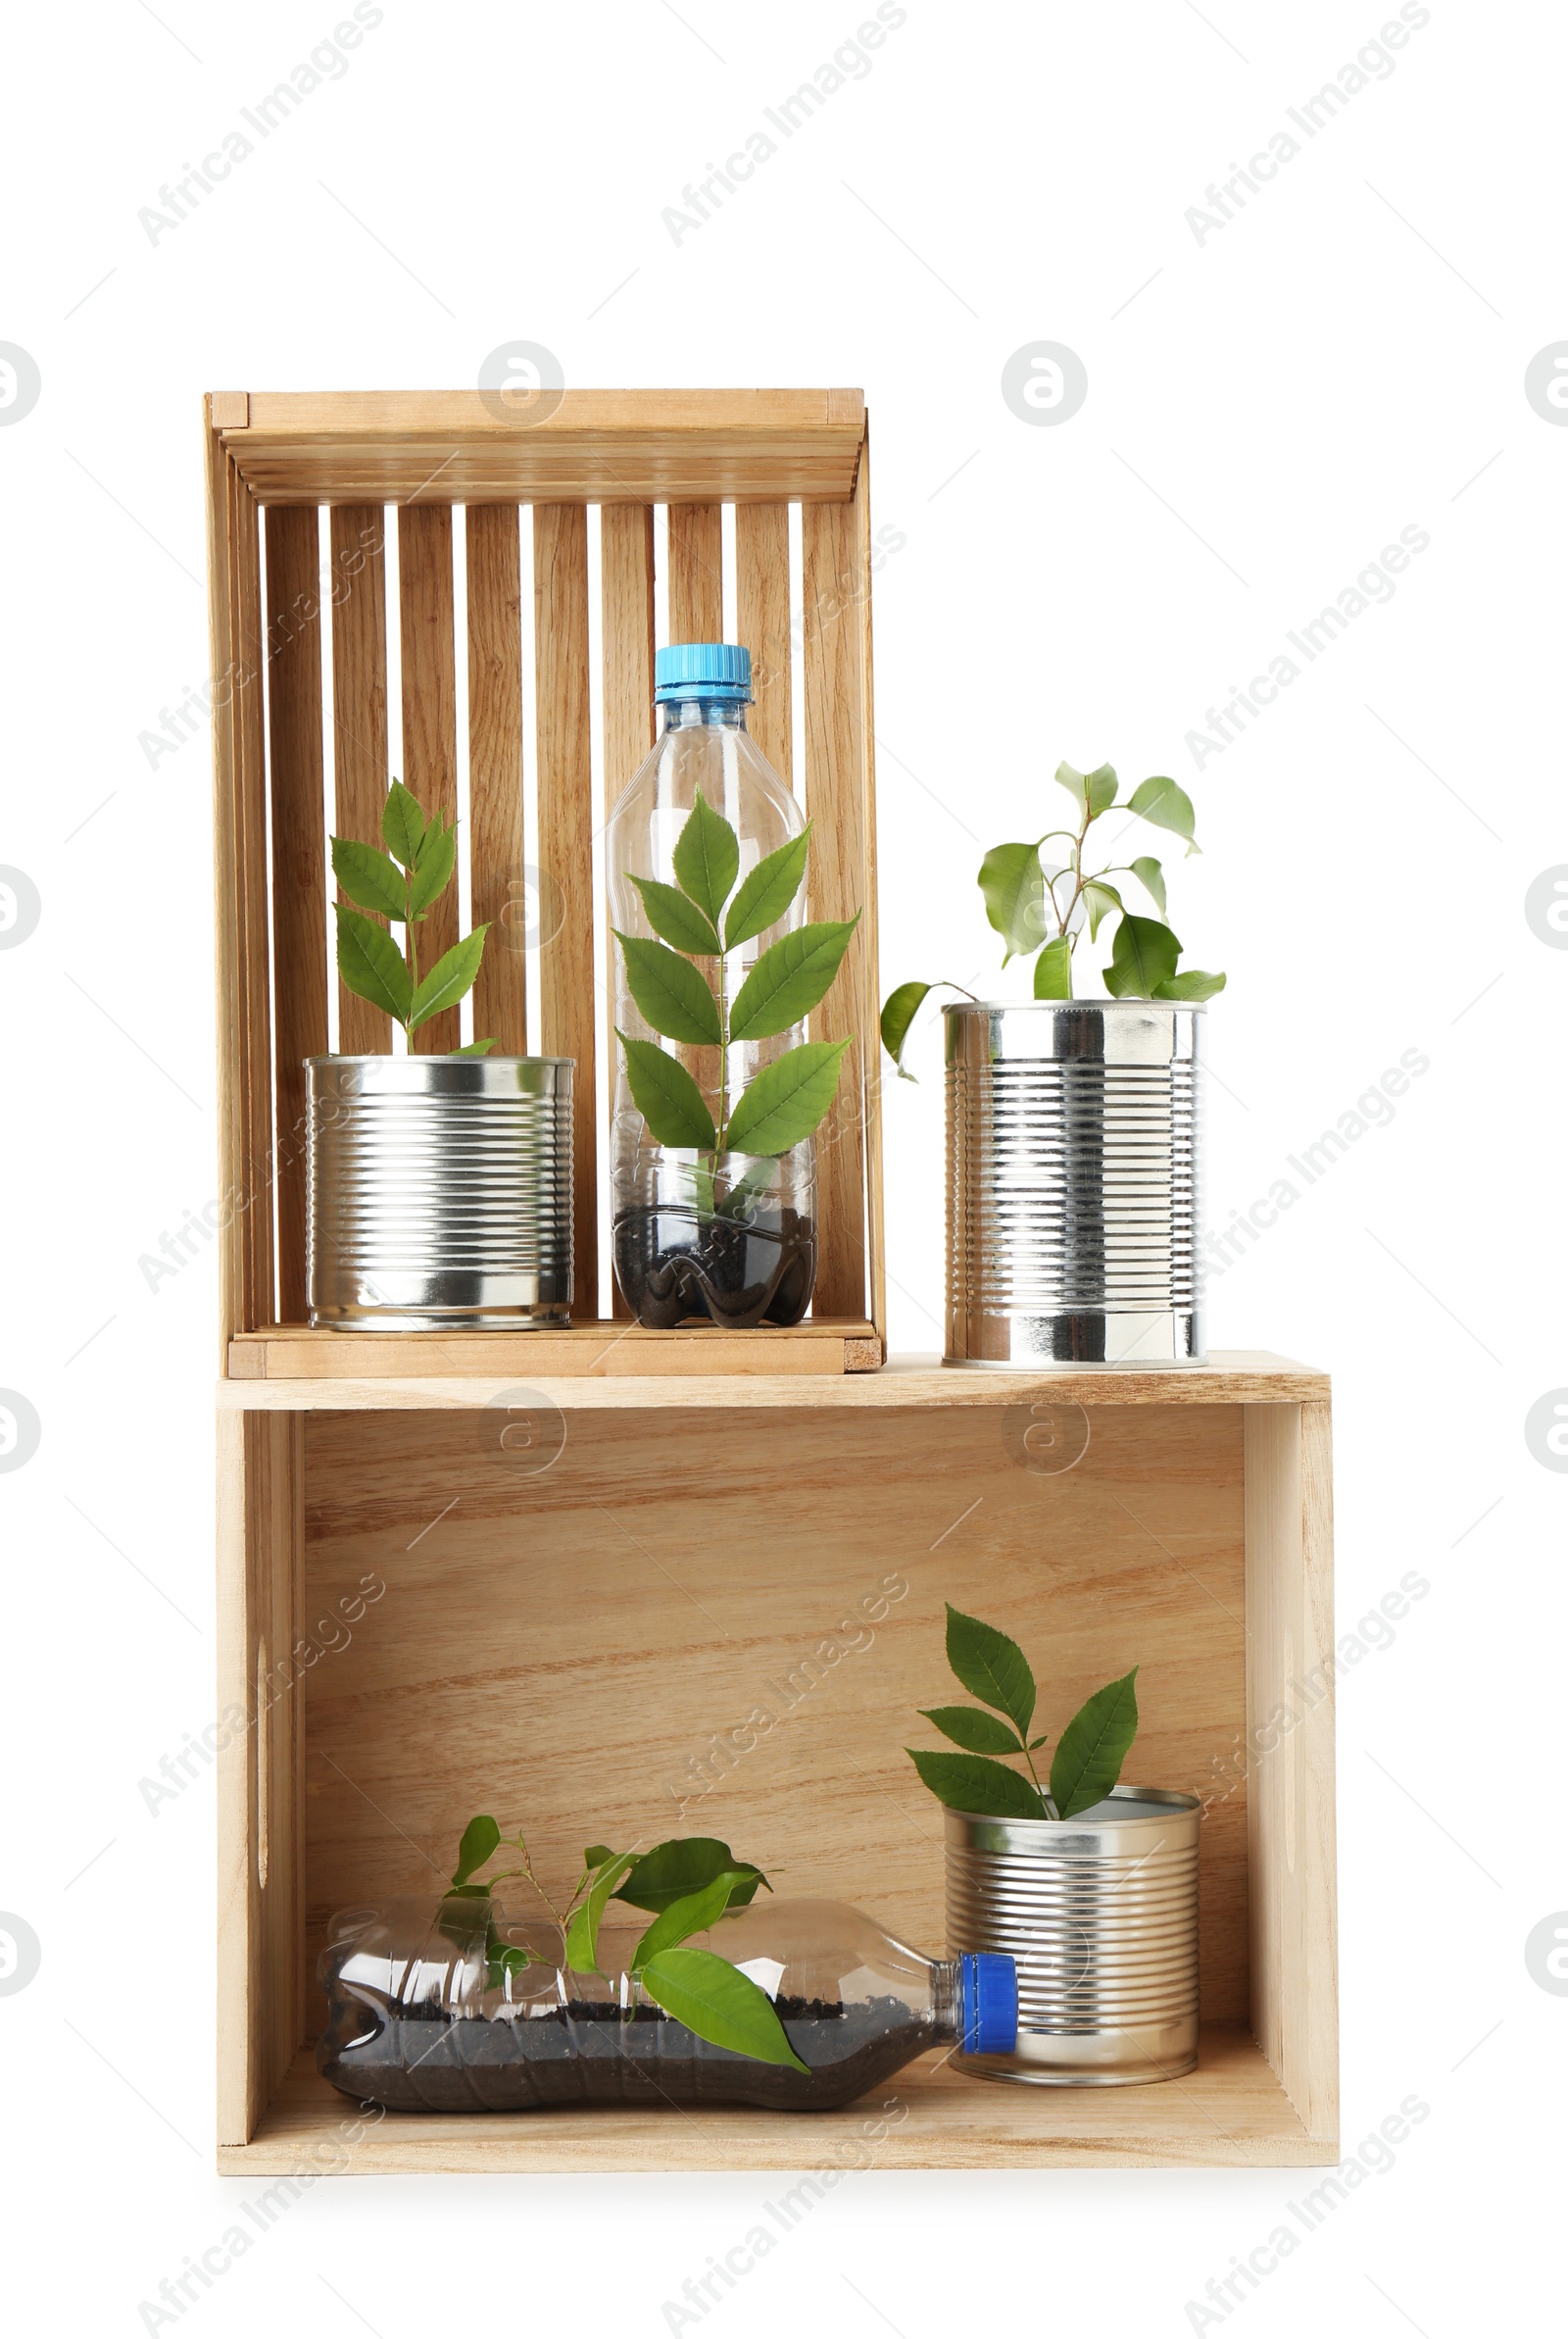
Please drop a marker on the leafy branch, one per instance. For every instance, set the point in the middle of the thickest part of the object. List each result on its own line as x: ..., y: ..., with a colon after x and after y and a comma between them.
x: 704, y: 917
x: 1040, y: 908
x: 687, y: 1884
x: 404, y: 887
x: 1089, y: 1752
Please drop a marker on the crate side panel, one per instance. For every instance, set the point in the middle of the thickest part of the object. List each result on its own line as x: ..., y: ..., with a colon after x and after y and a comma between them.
x: 730, y: 1630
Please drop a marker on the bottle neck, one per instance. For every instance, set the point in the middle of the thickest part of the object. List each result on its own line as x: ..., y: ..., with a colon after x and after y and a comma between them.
x: 947, y: 1999
x: 697, y: 714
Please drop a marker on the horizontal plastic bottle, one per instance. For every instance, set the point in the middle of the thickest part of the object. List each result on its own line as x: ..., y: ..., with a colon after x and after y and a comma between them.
x: 423, y: 2015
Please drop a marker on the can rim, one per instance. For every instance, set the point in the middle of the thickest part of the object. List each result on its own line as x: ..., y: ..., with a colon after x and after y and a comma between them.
x: 1013, y: 1007
x: 448, y: 1058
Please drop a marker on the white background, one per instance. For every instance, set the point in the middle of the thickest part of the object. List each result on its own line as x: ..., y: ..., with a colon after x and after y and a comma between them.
x: 1266, y: 410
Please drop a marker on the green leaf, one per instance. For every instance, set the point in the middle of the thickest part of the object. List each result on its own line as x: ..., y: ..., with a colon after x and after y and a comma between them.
x: 1036, y: 1743
x: 1014, y: 888
x: 402, y: 824
x: 718, y: 2002
x: 789, y: 978
x: 1094, y: 792
x: 670, y: 992
x: 684, y: 1864
x: 666, y: 1096
x: 1054, y: 970
x: 707, y: 856
x: 475, y: 1047
x: 678, y: 920
x: 972, y: 1782
x: 1143, y: 953
x: 1152, y: 877
x: 479, y: 1839
x: 787, y: 1099
x: 1099, y: 900
x: 899, y: 1011
x: 693, y: 1914
x: 595, y: 1857
x: 450, y: 980
x: 498, y: 1962
x: 973, y: 1728
x: 767, y: 892
x: 438, y: 858
x: 1191, y: 983
x: 992, y: 1668
x: 1094, y: 1746
x: 582, y: 1933
x: 754, y: 1181
x: 371, y: 964
x: 1163, y: 805
x: 367, y: 877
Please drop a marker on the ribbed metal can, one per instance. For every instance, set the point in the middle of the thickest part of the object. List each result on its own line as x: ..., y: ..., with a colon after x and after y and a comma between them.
x: 439, y: 1192
x: 1073, y: 1183
x: 1100, y: 1916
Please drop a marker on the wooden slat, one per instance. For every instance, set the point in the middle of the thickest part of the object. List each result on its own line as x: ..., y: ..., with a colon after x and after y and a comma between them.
x: 626, y: 629
x: 838, y: 880
x: 241, y: 1971
x: 227, y: 891
x: 564, y: 763
x: 763, y: 623
x: 358, y: 722
x: 1289, y: 1752
x: 661, y: 446
x: 909, y: 1385
x: 291, y: 1352
x: 1230, y: 2113
x: 874, y: 1063
x: 696, y: 573
x: 254, y: 1200
x: 430, y: 719
x: 299, y: 863
x: 497, y: 851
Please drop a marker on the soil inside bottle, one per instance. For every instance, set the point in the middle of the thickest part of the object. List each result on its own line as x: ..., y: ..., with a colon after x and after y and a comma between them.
x: 673, y: 1263
x: 591, y: 2053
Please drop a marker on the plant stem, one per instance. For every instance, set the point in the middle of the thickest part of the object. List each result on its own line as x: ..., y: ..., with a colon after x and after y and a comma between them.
x: 408, y: 929
x: 1050, y: 1807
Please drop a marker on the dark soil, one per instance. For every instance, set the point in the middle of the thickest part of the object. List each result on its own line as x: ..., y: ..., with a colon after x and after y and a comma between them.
x: 594, y: 2055
x: 673, y: 1266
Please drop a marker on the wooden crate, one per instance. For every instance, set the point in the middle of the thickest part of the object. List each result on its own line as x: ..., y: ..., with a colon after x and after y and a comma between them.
x: 303, y: 487
x: 576, y: 1650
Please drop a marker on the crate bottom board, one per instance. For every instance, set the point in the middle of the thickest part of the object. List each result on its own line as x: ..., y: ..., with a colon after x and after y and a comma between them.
x: 1230, y: 2113
x: 823, y: 1347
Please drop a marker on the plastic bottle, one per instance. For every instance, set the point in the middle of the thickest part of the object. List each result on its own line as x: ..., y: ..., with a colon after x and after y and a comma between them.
x: 423, y: 2018
x: 729, y: 1236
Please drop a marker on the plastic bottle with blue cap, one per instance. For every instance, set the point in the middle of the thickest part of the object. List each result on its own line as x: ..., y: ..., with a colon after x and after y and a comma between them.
x: 725, y: 1236
x: 421, y: 2018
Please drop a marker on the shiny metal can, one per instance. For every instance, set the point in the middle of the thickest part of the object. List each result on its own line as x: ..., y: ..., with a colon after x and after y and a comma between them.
x: 1100, y: 1916
x: 438, y: 1192
x: 1073, y: 1183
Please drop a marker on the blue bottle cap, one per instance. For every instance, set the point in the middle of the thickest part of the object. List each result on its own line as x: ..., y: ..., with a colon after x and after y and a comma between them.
x: 716, y: 670
x: 988, y: 1988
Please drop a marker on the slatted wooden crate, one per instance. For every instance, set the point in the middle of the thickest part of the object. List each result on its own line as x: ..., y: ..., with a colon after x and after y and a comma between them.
x: 302, y: 485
